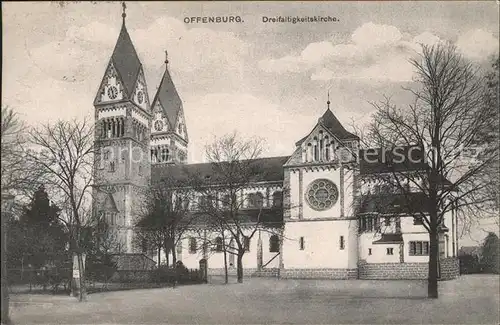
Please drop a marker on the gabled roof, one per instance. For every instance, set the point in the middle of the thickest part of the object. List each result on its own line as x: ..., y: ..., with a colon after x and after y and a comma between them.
x: 389, y: 239
x: 268, y: 169
x: 169, y: 99
x: 126, y: 61
x: 332, y: 124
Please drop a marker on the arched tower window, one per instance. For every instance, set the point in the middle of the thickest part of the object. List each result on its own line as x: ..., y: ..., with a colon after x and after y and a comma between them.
x: 165, y: 154
x: 274, y: 244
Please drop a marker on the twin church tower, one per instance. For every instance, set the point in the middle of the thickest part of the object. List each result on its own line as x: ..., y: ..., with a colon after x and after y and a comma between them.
x: 132, y: 135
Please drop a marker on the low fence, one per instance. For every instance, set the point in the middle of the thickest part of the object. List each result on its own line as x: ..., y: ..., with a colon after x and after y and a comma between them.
x: 159, y: 275
x: 58, y: 280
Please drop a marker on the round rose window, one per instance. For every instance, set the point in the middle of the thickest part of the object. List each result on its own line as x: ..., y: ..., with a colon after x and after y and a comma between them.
x: 321, y: 194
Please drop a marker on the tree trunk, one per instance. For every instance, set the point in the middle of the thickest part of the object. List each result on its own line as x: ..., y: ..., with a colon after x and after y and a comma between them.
x: 239, y: 269
x: 432, y: 286
x: 171, y: 242
x: 226, y: 276
x: 82, y: 296
x: 174, y: 255
x: 167, y: 259
x: 5, y: 288
x: 159, y: 255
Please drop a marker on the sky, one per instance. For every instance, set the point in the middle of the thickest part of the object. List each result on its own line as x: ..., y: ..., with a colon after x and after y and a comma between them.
x: 266, y: 80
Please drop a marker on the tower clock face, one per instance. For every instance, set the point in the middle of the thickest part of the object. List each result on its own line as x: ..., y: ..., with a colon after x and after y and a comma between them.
x: 140, y: 97
x: 112, y: 92
x: 321, y: 194
x: 158, y: 125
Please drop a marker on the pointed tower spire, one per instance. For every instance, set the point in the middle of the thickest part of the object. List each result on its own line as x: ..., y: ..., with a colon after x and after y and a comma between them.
x: 166, y: 59
x: 328, y: 101
x: 124, y: 14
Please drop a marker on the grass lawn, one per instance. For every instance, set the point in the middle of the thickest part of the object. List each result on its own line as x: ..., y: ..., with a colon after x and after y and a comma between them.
x: 471, y: 299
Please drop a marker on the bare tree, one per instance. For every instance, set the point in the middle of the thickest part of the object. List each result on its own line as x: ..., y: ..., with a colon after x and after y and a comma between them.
x: 165, y: 217
x: 228, y: 211
x: 65, y: 152
x: 19, y: 175
x: 446, y: 117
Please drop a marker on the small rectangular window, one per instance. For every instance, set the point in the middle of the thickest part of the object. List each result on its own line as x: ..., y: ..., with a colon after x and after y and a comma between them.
x: 246, y: 243
x: 301, y: 243
x: 369, y: 251
x: 390, y: 251
x: 419, y: 248
x: 112, y: 166
x: 342, y: 242
x: 417, y: 221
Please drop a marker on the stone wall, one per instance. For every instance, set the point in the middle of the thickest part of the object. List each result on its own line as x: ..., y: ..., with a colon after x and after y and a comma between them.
x: 231, y: 271
x: 340, y: 274
x: 450, y: 269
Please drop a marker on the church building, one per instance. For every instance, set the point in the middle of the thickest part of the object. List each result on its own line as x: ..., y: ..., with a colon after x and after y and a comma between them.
x: 337, y: 218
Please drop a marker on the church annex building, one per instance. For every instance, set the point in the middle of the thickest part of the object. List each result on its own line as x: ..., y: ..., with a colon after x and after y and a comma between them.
x: 327, y: 231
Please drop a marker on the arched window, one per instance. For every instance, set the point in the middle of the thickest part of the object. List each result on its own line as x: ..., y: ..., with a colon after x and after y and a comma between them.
x: 258, y: 200
x: 218, y: 244
x: 109, y: 130
x: 186, y: 203
x: 274, y: 244
x: 226, y: 201
x: 277, y: 199
x: 255, y: 200
x: 164, y: 154
x: 192, y: 245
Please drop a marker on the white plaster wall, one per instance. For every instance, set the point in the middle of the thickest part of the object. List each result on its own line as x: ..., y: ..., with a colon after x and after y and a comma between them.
x: 352, y: 244
x: 348, y: 192
x: 308, y: 178
x: 407, y: 226
x: 216, y: 259
x: 379, y: 251
x: 322, y: 244
x: 294, y: 195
